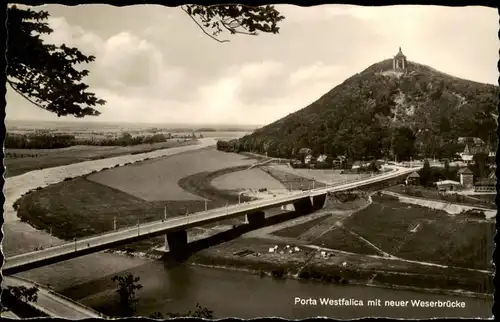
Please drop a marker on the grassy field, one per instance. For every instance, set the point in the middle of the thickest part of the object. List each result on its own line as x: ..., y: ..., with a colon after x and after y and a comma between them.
x: 82, y: 207
x: 330, y: 176
x: 246, y: 179
x: 297, y: 230
x: 424, y: 234
x: 157, y: 180
x: 290, y: 180
x: 35, y: 159
x: 360, y: 269
x: 406, y: 231
x: 485, y: 201
x: 341, y: 239
x: 79, y: 207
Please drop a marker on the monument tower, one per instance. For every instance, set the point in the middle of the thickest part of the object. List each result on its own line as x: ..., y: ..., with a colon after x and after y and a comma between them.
x: 399, y: 63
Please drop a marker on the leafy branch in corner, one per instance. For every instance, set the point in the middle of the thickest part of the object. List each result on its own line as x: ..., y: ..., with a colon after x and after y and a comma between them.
x: 234, y: 18
x: 12, y: 294
x: 45, y: 74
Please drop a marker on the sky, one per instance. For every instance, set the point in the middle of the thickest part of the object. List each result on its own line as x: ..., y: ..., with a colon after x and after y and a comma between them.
x: 154, y: 65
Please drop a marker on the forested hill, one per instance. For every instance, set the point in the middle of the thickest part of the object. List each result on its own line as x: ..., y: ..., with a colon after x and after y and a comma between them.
x: 379, y: 112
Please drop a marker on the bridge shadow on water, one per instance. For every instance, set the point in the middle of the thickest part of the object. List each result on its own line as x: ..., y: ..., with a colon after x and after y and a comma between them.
x: 173, y: 259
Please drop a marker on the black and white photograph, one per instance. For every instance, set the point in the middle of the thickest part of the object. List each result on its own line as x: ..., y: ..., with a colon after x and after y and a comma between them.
x: 237, y: 161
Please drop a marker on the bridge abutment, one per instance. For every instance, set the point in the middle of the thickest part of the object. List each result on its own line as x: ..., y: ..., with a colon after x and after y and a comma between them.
x: 304, y: 206
x: 255, y: 218
x: 318, y: 201
x: 178, y: 244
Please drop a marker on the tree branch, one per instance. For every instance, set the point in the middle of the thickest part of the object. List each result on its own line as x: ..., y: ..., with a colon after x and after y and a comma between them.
x: 12, y: 85
x: 203, y: 29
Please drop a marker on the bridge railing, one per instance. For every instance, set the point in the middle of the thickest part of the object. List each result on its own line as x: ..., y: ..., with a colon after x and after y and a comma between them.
x: 57, y: 243
x: 230, y: 208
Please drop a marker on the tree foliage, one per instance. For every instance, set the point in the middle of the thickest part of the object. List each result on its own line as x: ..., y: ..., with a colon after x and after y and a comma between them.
x: 49, y: 76
x: 372, y: 115
x: 234, y: 18
x: 425, y: 174
x: 127, y: 287
x: 18, y: 298
x: 45, y: 74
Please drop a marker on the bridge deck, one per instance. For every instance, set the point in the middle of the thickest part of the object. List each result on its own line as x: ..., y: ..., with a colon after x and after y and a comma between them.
x: 26, y: 261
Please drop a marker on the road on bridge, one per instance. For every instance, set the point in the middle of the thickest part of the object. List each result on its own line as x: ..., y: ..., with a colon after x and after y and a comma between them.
x: 26, y: 261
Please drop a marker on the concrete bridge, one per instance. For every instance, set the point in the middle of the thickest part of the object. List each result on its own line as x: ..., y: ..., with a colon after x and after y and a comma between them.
x: 175, y: 229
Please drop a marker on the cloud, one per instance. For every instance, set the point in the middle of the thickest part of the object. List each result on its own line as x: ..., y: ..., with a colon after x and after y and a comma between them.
x: 154, y: 65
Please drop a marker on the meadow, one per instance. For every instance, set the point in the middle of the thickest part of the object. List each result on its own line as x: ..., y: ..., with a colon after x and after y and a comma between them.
x: 246, y: 179
x: 329, y: 176
x: 406, y: 231
x: 82, y: 206
x: 423, y: 234
x: 478, y: 200
x: 157, y: 180
x: 289, y: 179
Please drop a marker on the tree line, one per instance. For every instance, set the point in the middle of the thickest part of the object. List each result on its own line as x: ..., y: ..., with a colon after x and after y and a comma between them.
x: 56, y: 141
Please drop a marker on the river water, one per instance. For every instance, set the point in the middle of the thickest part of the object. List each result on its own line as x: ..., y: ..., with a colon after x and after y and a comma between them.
x: 227, y: 293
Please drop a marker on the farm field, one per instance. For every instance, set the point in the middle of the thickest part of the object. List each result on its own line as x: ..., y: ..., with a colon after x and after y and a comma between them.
x: 79, y: 207
x: 157, y: 180
x: 407, y: 231
x: 329, y: 176
x: 26, y: 160
x: 290, y: 180
x: 246, y: 179
x: 484, y: 201
x: 424, y: 234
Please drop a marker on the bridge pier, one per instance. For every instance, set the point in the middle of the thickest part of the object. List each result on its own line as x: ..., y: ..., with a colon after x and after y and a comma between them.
x: 318, y: 201
x: 255, y: 218
x: 177, y: 242
x: 304, y: 206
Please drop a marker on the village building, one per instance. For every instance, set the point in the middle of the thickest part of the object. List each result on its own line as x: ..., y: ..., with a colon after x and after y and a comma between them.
x: 485, y: 185
x: 474, y: 146
x: 399, y: 63
x: 413, y: 179
x: 448, y: 185
x: 466, y: 177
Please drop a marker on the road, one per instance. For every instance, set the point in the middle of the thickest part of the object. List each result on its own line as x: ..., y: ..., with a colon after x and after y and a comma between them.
x: 26, y: 261
x: 51, y: 303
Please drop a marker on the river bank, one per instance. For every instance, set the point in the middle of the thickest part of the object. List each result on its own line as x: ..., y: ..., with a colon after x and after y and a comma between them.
x: 362, y: 270
x: 100, y: 267
x: 20, y: 237
x: 343, y: 268
x: 37, y: 159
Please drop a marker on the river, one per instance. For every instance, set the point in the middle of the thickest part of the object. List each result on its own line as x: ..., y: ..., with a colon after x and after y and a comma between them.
x: 227, y: 293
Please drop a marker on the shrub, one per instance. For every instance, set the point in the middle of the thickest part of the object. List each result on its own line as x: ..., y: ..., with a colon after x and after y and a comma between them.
x: 67, y: 179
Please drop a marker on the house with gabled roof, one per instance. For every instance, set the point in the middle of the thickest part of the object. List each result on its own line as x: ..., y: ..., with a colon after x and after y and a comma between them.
x: 413, y: 179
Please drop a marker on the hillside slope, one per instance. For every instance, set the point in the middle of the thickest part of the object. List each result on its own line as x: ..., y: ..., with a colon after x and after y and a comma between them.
x: 379, y: 112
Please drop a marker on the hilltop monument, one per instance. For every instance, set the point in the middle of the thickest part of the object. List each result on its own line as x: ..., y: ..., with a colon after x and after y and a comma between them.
x: 399, y: 63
